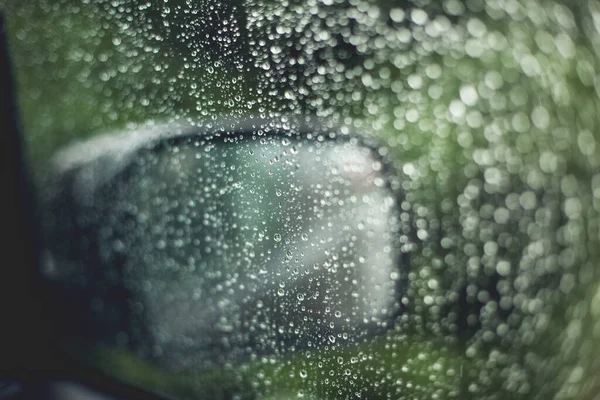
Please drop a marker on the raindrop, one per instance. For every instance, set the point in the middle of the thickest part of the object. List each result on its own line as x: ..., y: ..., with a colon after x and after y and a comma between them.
x: 397, y: 14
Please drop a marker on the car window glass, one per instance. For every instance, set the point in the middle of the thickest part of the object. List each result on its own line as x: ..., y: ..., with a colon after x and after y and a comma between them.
x: 487, y: 111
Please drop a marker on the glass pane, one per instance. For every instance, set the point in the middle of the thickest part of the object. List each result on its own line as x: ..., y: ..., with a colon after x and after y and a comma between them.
x: 486, y: 109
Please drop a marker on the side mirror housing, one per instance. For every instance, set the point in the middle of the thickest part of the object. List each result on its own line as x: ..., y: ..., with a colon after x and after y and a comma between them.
x: 195, y: 248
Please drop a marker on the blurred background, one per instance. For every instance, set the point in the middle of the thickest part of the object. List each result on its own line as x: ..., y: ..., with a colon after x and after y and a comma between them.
x: 487, y: 109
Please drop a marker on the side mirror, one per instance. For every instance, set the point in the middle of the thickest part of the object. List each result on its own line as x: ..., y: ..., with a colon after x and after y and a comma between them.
x: 198, y: 248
